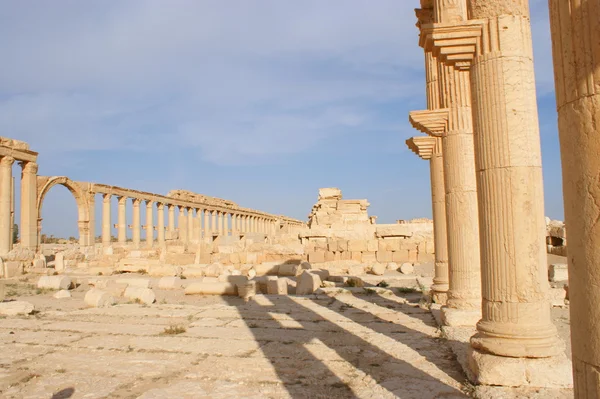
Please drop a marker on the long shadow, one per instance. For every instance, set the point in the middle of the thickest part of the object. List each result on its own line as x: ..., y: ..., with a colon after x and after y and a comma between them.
x: 401, y: 333
x: 304, y: 375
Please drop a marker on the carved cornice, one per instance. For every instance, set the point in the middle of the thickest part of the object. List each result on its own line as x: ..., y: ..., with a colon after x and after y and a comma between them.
x: 432, y: 122
x: 452, y: 44
x: 423, y: 146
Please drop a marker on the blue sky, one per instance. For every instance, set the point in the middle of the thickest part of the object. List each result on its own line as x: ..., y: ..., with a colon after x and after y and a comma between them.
x: 261, y: 102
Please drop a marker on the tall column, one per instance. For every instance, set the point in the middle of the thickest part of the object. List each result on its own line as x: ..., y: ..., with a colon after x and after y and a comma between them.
x: 160, y: 214
x: 190, y: 224
x: 234, y: 228
x: 247, y: 222
x: 122, y: 221
x: 198, y: 225
x: 220, y: 223
x: 6, y: 164
x: 206, y: 223
x: 575, y: 31
x: 171, y: 226
x: 149, y: 224
x: 136, y: 223
x: 106, y: 236
x: 430, y: 148
x: 213, y: 223
x: 182, y: 225
x: 28, y: 228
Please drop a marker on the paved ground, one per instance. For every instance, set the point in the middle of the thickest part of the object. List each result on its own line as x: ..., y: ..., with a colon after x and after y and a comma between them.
x: 350, y: 346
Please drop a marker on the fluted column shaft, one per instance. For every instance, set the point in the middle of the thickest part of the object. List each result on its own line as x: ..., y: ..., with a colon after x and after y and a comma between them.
x: 6, y: 164
x: 575, y: 31
x: 122, y: 221
x: 438, y: 199
x: 160, y: 214
x: 183, y: 236
x: 149, y: 223
x: 171, y: 216
x: 106, y: 227
x: 136, y: 223
x: 234, y: 228
x: 198, y: 225
x: 220, y: 222
x: 516, y: 314
x: 206, y: 223
x: 190, y: 224
x: 28, y: 228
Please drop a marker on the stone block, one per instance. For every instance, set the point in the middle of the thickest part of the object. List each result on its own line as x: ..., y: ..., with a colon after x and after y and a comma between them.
x: 413, y: 256
x: 246, y: 290
x: 217, y: 288
x: 96, y: 298
x: 268, y: 268
x: 330, y: 256
x: 316, y: 257
x: 378, y: 269
x: 558, y: 272
x: 338, y: 279
x: 62, y: 294
x: 305, y: 265
x: 369, y: 257
x: 308, y: 283
x: 372, y: 245
x: 13, y: 269
x: 321, y: 244
x: 277, y: 286
x: 59, y: 262
x: 389, y: 244
x: 357, y: 245
x: 54, y: 282
x: 14, y: 308
x: 289, y: 269
x: 145, y: 295
x: 342, y: 245
x: 135, y: 282
x: 356, y: 256
x: 384, y: 256
x: 551, y: 372
x: 39, y: 264
x: 392, y: 265
x: 400, y: 256
x: 322, y: 273
x: 345, y: 255
x: 170, y: 283
x: 356, y: 270
x: 407, y: 268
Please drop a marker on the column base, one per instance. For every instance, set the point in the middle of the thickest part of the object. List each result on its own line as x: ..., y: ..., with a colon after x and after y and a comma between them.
x: 549, y: 372
x: 460, y: 317
x: 439, y: 297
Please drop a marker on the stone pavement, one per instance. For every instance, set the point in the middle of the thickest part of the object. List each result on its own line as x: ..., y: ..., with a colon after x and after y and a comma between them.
x: 349, y: 346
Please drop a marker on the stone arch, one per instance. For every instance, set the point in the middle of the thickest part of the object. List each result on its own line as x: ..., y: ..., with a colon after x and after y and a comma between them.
x: 83, y: 205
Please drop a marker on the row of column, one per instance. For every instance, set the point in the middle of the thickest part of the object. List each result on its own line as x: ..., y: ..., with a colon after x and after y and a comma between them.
x: 190, y: 228
x: 492, y: 178
x: 28, y: 230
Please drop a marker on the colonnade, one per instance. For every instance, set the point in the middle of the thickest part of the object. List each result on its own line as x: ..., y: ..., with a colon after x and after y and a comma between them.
x: 194, y: 224
x: 482, y: 106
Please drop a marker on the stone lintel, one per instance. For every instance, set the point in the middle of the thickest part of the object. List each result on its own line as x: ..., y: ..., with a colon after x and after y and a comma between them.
x: 18, y: 154
x: 432, y: 122
x: 453, y: 44
x: 424, y: 147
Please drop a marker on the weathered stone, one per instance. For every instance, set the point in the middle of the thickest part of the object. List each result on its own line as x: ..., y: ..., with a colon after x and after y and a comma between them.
x: 308, y: 283
x: 216, y: 288
x: 407, y: 268
x: 289, y: 269
x: 378, y: 269
x: 135, y: 282
x: 14, y: 308
x: 392, y: 266
x: 356, y: 270
x: 322, y: 273
x: 62, y: 294
x: 267, y: 268
x: 558, y: 272
x: 96, y: 298
x: 2, y: 291
x: 246, y: 290
x: 145, y: 295
x: 54, y: 282
x: 170, y: 283
x: 59, y: 261
x: 13, y: 269
x: 277, y: 287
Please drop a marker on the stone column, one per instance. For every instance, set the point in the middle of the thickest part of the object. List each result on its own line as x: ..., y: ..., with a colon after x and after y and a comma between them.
x: 149, y: 223
x: 220, y: 221
x: 122, y: 221
x: 171, y: 225
x: 160, y: 214
x: 233, y: 224
x: 575, y: 32
x: 430, y: 148
x: 247, y: 224
x: 206, y: 223
x: 190, y: 224
x: 136, y: 224
x: 183, y: 237
x: 6, y: 164
x: 28, y: 228
x: 106, y: 236
x: 198, y: 225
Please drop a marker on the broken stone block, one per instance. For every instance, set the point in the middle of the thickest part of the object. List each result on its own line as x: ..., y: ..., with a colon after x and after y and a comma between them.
x: 289, y: 269
x: 145, y: 295
x: 308, y: 283
x: 407, y: 268
x: 39, y: 263
x: 322, y: 273
x: 96, y: 298
x: 62, y: 294
x: 14, y: 308
x: 54, y: 282
x: 170, y: 283
x: 378, y: 269
x: 558, y: 272
x: 217, y: 288
x: 277, y: 286
x: 59, y: 262
x: 135, y: 282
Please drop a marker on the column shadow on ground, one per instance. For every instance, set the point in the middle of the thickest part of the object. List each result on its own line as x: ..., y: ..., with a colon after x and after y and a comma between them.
x: 306, y: 376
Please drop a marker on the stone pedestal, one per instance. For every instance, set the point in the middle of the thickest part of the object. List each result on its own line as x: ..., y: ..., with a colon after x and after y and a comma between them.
x: 576, y: 49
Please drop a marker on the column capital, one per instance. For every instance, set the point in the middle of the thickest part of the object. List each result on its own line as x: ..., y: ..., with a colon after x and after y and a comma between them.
x: 160, y: 205
x: 122, y: 200
x: 424, y: 147
x: 7, y: 161
x: 432, y: 122
x: 106, y: 197
x: 455, y: 44
x: 136, y: 201
x: 29, y: 167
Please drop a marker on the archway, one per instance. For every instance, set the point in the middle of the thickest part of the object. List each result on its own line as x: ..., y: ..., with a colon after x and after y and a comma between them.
x: 83, y: 207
